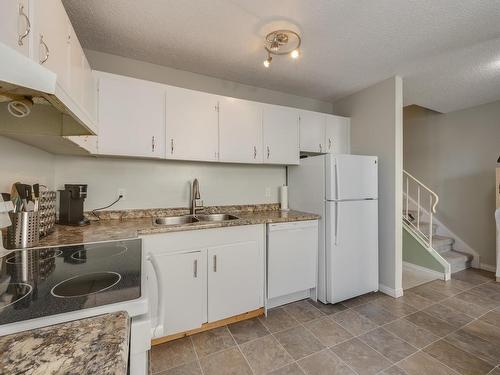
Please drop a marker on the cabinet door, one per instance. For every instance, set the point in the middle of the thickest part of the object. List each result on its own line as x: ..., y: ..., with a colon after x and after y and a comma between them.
x: 240, y: 131
x: 281, y: 135
x: 182, y: 280
x: 235, y: 280
x: 89, y: 101
x: 15, y: 25
x: 76, y: 72
x: 51, y: 38
x: 312, y: 131
x: 337, y: 134
x: 192, y: 125
x: 131, y: 117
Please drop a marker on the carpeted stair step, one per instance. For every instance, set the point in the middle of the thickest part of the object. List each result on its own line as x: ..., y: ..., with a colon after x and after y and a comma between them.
x: 458, y: 261
x: 442, y: 244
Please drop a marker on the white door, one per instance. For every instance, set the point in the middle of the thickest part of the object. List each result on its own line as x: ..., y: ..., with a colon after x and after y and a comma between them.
x: 312, y: 131
x: 15, y: 30
x: 131, y: 117
x: 281, y: 135
x: 240, y: 131
x: 351, y: 249
x: 182, y: 283
x: 292, y: 253
x: 337, y: 134
x: 192, y: 125
x: 351, y: 177
x: 235, y: 279
x: 51, y: 38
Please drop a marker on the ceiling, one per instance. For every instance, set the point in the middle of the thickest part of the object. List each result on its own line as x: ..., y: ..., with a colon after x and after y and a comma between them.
x: 447, y: 51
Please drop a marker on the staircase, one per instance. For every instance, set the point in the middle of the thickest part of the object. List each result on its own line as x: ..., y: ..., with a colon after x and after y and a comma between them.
x: 419, y: 207
x: 444, y: 246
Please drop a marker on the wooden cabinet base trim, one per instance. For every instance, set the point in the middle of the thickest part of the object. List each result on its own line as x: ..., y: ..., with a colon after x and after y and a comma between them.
x: 209, y: 326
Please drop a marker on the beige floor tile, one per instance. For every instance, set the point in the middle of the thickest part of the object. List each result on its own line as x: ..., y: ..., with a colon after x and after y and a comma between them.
x: 191, y: 368
x: 375, y: 313
x: 450, y: 287
x: 423, y: 364
x: 360, y: 300
x: 436, y: 326
x: 395, y: 306
x: 458, y: 359
x: 355, y: 323
x: 475, y: 277
x: 493, y: 318
x: 278, y: 320
x: 324, y: 363
x: 489, y: 290
x: 360, y: 357
x: 394, y: 370
x: 415, y: 300
x: 449, y: 315
x: 475, y: 345
x: 291, y: 369
x: 484, y: 330
x: 428, y: 293
x: 299, y: 342
x: 172, y: 354
x: 390, y: 346
x: 411, y: 333
x: 303, y: 311
x: 265, y: 354
x: 212, y: 341
x: 329, y: 308
x: 227, y: 362
x: 495, y: 371
x: 247, y: 330
x: 465, y: 307
x: 477, y: 300
x: 327, y: 331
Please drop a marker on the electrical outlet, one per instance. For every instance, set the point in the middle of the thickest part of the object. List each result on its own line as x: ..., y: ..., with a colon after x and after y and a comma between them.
x: 268, y: 192
x: 122, y: 192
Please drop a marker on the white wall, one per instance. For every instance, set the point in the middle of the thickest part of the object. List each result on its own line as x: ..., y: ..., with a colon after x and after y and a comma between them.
x: 455, y: 155
x: 170, y: 76
x: 22, y: 163
x: 377, y: 129
x: 160, y: 183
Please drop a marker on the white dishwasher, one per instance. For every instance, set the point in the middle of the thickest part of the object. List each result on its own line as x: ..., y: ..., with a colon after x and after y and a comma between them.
x: 292, y: 253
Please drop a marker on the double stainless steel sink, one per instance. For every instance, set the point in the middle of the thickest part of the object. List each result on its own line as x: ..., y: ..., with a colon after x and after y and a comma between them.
x: 188, y: 219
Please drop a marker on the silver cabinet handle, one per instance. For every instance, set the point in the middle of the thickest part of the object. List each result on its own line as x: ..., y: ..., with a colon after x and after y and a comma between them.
x: 329, y: 143
x: 46, y: 48
x: 172, y: 146
x: 215, y: 263
x: 268, y: 151
x: 153, y: 144
x: 28, y: 25
x: 320, y: 148
x: 254, y: 152
x: 195, y: 270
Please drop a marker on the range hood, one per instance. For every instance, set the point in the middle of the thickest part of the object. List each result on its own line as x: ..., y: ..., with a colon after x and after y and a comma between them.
x: 54, y: 112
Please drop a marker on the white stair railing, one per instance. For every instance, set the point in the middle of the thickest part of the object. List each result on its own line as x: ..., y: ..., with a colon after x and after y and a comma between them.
x: 424, y: 201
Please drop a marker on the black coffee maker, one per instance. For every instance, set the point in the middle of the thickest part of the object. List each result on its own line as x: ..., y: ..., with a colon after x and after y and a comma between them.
x: 71, y: 205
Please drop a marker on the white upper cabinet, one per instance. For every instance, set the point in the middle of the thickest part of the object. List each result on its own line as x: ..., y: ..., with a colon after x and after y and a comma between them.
x: 192, y: 128
x: 312, y: 131
x: 131, y: 117
x: 240, y: 131
x: 76, y: 68
x: 15, y: 25
x: 50, y: 42
x: 89, y: 101
x: 281, y: 134
x: 337, y: 134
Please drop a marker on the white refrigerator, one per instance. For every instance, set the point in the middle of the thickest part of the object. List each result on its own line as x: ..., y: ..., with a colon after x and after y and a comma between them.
x: 343, y: 189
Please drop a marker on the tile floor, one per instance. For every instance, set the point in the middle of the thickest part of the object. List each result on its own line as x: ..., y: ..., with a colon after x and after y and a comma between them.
x: 437, y: 328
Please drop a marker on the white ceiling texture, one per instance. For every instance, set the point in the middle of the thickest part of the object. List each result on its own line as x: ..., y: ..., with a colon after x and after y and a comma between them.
x: 447, y: 51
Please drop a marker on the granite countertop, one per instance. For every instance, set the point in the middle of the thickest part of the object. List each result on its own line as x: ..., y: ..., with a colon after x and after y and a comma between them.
x: 120, y: 225
x: 97, y: 345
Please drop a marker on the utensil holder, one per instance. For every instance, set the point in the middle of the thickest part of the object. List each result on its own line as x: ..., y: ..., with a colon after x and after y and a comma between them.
x: 47, y: 212
x: 24, y: 231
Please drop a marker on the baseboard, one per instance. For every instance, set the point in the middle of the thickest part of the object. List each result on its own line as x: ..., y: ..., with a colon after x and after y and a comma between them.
x: 440, y: 275
x: 488, y: 267
x: 396, y: 293
x: 289, y: 298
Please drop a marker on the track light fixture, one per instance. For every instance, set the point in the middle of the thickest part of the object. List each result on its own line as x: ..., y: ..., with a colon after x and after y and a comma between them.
x: 282, y: 42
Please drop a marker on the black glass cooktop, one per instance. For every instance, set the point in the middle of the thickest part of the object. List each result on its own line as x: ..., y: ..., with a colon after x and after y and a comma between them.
x: 48, y: 281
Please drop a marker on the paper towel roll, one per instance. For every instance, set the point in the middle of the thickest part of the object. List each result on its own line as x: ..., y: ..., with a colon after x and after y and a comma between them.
x: 284, y: 197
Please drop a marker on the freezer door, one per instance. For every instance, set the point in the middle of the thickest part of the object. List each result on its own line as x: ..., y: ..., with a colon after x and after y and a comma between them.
x: 351, y: 249
x: 351, y: 177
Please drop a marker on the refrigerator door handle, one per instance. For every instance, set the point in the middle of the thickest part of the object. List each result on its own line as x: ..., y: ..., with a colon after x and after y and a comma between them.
x: 337, y: 179
x: 336, y: 223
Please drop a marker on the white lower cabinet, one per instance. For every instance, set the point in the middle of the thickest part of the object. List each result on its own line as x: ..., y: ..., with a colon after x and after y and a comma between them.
x: 202, y: 276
